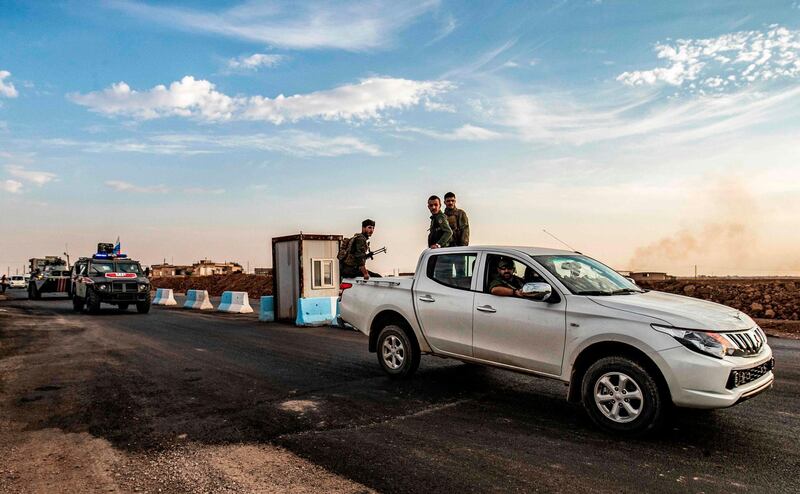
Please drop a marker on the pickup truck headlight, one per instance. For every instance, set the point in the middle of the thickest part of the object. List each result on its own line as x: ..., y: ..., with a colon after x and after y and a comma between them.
x: 103, y: 287
x: 143, y: 287
x: 705, y: 342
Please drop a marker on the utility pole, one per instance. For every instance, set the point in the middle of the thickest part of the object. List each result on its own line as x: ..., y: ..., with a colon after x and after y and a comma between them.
x: 695, y: 271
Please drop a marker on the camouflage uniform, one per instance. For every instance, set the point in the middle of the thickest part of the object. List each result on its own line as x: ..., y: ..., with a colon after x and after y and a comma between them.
x: 515, y: 283
x: 356, y: 256
x: 459, y: 223
x: 440, y: 231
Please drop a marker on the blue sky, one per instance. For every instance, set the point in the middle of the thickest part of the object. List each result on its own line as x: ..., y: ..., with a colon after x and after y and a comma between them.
x: 652, y: 135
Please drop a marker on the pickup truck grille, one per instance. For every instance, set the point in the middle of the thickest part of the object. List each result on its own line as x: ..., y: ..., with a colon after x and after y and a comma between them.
x: 120, y: 287
x: 744, y: 376
x: 748, y: 342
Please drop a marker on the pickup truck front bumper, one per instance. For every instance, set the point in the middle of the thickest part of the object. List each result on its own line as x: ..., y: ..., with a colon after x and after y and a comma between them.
x: 698, y: 381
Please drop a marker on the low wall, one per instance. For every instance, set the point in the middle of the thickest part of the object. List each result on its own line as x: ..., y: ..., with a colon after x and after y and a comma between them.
x: 768, y: 298
x: 255, y: 285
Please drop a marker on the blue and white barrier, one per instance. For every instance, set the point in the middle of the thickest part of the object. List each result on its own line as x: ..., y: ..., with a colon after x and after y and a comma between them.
x: 164, y: 296
x: 266, y: 309
x: 316, y: 311
x: 197, y: 299
x: 236, y: 302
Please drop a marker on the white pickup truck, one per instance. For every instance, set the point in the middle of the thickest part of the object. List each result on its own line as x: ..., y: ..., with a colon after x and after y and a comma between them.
x: 627, y: 354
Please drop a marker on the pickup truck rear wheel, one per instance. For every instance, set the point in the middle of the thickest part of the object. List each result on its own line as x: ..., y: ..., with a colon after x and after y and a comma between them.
x: 398, y: 355
x: 622, y: 397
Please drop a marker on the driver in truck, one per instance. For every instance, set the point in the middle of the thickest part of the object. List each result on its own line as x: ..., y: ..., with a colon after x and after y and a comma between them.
x: 506, y: 283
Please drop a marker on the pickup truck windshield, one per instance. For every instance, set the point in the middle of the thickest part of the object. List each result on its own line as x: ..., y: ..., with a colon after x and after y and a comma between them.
x: 99, y: 268
x: 585, y: 276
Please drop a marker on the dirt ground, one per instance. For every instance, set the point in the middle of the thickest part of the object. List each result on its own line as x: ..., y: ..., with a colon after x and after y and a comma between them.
x: 41, y: 377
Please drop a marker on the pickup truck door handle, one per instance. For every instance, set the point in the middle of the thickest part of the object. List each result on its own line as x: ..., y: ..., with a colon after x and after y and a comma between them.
x: 486, y: 308
x: 427, y: 298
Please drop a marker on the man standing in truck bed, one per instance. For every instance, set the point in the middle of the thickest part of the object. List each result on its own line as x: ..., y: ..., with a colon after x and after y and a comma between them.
x: 458, y: 221
x: 439, y: 233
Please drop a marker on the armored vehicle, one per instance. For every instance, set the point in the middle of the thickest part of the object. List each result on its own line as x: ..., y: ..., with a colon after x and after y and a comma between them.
x: 49, y: 274
x: 109, y: 278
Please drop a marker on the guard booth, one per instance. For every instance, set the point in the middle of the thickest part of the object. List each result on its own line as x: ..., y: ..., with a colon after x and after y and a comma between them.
x: 304, y: 266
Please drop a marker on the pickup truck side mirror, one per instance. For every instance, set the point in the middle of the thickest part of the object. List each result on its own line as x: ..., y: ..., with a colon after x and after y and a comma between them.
x: 537, y: 291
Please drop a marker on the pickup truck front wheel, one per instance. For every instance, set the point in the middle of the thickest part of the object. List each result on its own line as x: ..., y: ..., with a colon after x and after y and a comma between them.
x: 397, y: 353
x: 622, y: 397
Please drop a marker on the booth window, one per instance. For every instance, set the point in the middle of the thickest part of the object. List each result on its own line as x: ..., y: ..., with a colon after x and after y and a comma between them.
x: 321, y: 273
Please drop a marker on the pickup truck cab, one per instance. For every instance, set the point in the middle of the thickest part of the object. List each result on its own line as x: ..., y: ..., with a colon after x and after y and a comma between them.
x: 626, y: 353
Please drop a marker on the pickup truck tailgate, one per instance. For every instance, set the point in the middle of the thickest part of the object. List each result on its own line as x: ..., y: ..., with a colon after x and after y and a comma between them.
x: 366, y: 298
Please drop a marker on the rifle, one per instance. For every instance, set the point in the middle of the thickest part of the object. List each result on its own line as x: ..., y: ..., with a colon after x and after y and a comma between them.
x: 371, y: 254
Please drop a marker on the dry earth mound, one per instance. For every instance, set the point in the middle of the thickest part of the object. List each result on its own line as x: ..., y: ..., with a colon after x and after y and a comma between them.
x: 773, y: 298
x: 254, y: 285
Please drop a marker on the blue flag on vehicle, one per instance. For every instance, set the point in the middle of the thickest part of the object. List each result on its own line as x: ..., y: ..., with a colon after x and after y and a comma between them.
x: 117, y: 248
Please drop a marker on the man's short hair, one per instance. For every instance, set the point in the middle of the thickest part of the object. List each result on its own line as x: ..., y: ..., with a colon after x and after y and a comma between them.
x: 449, y: 195
x: 367, y: 222
x: 434, y: 198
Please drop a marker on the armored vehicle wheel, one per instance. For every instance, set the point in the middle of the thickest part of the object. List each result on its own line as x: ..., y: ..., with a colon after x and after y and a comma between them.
x: 143, y: 307
x: 33, y: 292
x: 77, y: 303
x: 123, y: 306
x: 398, y: 354
x: 93, y: 302
x: 622, y: 397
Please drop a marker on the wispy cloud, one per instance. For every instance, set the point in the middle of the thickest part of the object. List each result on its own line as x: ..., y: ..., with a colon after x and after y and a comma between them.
x: 464, y: 133
x: 291, y: 142
x: 254, y: 62
x: 11, y: 186
x: 731, y: 60
x: 145, y: 146
x: 35, y: 177
x: 449, y: 24
x: 480, y: 63
x: 7, y: 89
x: 306, y: 25
x: 121, y: 186
x: 561, y: 118
x: 189, y: 97
x: 203, y: 191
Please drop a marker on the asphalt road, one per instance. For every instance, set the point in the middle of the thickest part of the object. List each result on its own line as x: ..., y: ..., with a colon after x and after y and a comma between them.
x: 148, y: 382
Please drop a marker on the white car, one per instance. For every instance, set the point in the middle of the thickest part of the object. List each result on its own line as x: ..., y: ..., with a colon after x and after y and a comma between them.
x: 626, y: 353
x: 17, y: 281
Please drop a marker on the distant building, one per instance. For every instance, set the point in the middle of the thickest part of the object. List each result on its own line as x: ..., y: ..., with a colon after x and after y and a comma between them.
x: 208, y: 268
x: 202, y: 268
x: 650, y: 276
x: 262, y: 271
x: 169, y: 270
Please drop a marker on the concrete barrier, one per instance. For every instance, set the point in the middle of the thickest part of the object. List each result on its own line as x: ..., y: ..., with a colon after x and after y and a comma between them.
x: 197, y: 299
x: 266, y: 309
x: 316, y: 311
x: 164, y: 296
x: 236, y: 302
